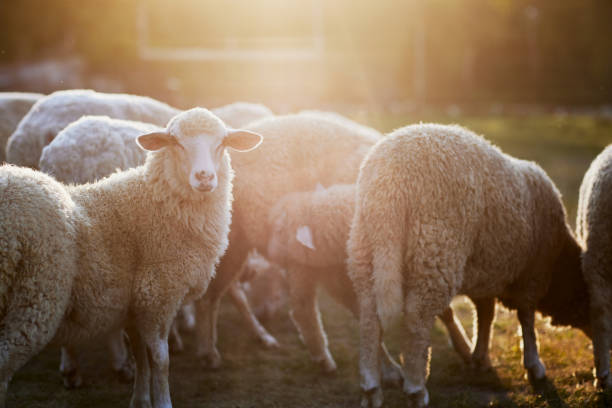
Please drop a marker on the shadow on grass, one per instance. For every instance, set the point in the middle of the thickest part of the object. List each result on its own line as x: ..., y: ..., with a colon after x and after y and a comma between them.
x: 545, y: 389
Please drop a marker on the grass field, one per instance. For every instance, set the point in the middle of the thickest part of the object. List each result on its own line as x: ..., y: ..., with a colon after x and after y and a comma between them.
x: 255, y: 377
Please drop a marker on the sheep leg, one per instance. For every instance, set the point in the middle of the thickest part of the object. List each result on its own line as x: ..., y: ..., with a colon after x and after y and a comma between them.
x: 533, y: 364
x: 420, y: 310
x: 601, y: 339
x: 175, y: 339
x: 391, y: 370
x: 30, y: 323
x: 307, y: 318
x: 69, y: 368
x: 485, y: 314
x: 370, y: 336
x: 159, y: 358
x: 207, y: 309
x: 141, y: 395
x: 459, y: 339
x: 120, y: 355
x: 242, y: 304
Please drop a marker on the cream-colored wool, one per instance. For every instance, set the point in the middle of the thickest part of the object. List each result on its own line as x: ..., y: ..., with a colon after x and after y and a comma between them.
x: 13, y: 107
x: 54, y: 112
x: 300, y: 152
x: 147, y: 242
x: 442, y: 212
x: 594, y: 225
x: 94, y: 147
x: 327, y: 215
x: 38, y: 261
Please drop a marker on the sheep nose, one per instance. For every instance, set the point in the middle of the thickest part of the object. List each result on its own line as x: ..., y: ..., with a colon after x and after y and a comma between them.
x: 204, y: 176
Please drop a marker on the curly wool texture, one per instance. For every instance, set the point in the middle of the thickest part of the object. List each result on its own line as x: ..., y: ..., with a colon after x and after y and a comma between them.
x: 54, y: 112
x: 594, y: 229
x: 38, y: 261
x: 327, y: 213
x: 13, y: 107
x: 94, y: 147
x: 300, y: 151
x: 440, y: 212
x: 146, y: 242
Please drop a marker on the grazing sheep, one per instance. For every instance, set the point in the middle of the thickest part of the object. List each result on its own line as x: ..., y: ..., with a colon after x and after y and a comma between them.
x: 94, y: 147
x: 54, y: 112
x: 147, y: 240
x: 308, y: 238
x: 13, y: 107
x: 441, y: 212
x: 300, y: 152
x: 240, y: 114
x: 593, y: 225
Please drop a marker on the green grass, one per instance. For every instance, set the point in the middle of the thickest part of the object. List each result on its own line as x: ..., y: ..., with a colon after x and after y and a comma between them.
x: 255, y: 377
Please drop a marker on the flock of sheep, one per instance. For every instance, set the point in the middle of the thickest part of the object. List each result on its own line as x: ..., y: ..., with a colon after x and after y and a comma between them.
x: 112, y: 224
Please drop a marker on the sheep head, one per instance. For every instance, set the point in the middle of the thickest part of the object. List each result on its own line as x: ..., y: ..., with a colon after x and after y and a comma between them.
x: 199, y: 138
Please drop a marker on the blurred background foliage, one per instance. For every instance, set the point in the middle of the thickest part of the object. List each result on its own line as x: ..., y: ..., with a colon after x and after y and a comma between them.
x: 545, y: 52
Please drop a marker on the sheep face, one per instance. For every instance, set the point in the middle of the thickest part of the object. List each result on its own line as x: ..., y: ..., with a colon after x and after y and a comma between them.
x: 198, y: 139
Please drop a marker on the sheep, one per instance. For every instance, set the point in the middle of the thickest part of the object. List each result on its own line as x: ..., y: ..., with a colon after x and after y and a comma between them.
x: 239, y: 114
x: 54, y: 112
x: 13, y: 107
x: 593, y: 226
x: 37, y: 264
x: 93, y: 147
x: 440, y: 212
x: 146, y: 240
x: 300, y: 152
x: 87, y: 150
x: 308, y: 238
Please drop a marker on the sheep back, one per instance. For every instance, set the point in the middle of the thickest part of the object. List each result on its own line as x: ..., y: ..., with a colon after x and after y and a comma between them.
x: 54, y: 112
x: 13, y: 107
x: 298, y: 153
x: 452, y: 209
x: 93, y: 147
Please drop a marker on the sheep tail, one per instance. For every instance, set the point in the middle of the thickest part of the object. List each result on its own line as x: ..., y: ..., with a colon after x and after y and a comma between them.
x: 388, y: 282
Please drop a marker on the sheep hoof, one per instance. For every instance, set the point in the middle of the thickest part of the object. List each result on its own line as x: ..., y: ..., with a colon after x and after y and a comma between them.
x: 211, y: 359
x: 72, y: 379
x: 419, y: 399
x: 372, y: 398
x: 604, y: 383
x: 269, y: 341
x: 536, y: 373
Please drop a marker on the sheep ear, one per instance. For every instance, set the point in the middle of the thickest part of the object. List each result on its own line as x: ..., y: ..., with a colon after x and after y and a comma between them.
x: 242, y: 140
x: 155, y: 141
x: 304, y: 236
